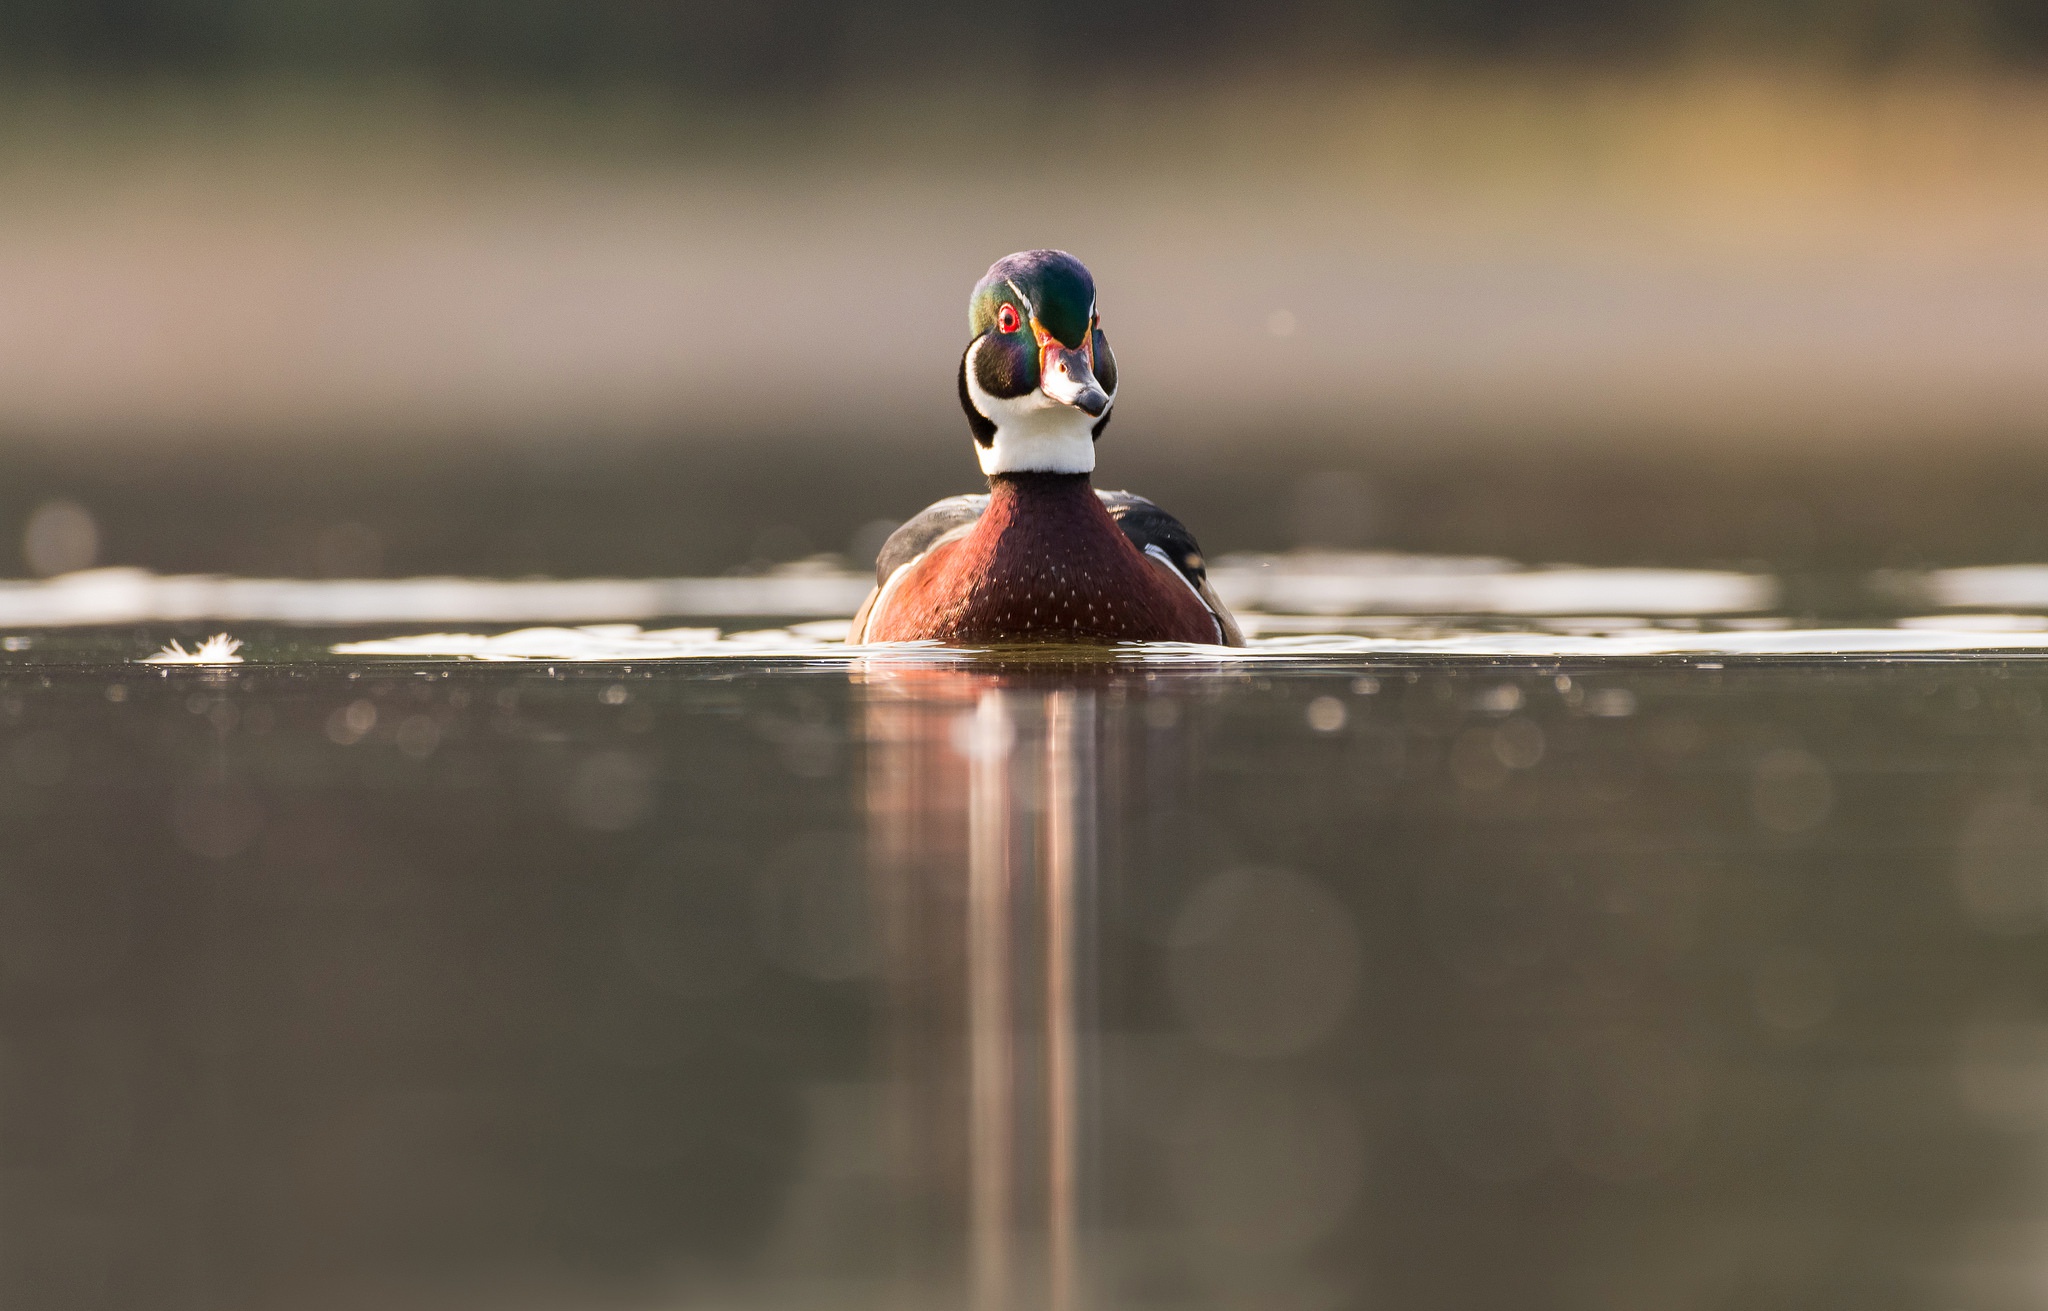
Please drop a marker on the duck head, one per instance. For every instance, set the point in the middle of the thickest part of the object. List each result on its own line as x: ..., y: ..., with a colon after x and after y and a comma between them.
x: 1038, y: 380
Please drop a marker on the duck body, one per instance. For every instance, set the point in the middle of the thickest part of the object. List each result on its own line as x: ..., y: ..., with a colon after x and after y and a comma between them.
x: 1043, y: 557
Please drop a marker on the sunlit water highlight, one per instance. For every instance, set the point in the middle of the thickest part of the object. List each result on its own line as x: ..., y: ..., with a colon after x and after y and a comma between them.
x: 1303, y: 605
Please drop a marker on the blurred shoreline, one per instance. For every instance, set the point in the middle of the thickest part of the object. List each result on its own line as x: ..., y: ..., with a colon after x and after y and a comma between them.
x: 1723, y: 257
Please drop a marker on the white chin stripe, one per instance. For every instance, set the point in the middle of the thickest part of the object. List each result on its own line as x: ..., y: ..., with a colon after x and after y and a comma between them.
x: 1034, y: 432
x: 1041, y: 447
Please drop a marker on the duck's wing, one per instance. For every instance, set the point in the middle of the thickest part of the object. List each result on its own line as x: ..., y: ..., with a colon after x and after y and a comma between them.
x: 938, y: 520
x: 923, y: 531
x: 1166, y: 542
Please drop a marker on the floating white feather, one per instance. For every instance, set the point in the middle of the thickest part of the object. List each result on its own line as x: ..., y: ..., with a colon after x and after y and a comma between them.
x: 216, y: 650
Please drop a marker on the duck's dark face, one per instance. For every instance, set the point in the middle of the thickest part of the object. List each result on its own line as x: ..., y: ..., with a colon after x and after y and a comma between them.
x: 1037, y: 381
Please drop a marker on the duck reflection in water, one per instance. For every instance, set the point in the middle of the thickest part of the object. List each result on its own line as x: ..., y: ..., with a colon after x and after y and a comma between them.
x: 981, y: 802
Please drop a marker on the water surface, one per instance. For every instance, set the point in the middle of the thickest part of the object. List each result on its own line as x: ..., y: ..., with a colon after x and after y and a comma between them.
x: 1323, y: 980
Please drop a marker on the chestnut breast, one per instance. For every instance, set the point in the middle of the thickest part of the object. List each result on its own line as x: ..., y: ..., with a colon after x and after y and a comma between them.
x: 1044, y: 563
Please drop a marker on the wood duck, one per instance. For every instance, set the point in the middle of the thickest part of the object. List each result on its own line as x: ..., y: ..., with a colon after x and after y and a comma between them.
x: 1041, y: 556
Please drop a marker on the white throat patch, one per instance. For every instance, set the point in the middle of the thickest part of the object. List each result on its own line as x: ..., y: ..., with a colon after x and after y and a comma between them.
x: 1034, y: 432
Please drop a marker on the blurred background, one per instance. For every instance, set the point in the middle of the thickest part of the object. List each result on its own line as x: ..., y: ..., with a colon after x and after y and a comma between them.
x: 315, y: 288
x: 1578, y: 984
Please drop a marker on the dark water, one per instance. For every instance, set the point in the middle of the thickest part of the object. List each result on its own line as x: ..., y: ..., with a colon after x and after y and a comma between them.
x: 751, y: 984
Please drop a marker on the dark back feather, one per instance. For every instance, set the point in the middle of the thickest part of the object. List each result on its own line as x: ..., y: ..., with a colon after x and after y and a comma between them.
x: 1148, y: 525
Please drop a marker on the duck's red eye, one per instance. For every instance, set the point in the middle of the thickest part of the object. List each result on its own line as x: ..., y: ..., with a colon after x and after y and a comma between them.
x: 1007, y: 320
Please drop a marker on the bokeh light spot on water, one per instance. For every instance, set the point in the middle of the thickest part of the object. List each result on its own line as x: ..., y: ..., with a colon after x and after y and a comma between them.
x: 1611, y: 703
x: 1326, y: 714
x: 2000, y: 868
x: 1263, y: 962
x: 1265, y: 1163
x: 349, y: 724
x: 1790, y: 791
x: 1518, y: 743
x: 1500, y: 699
x: 61, y: 538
